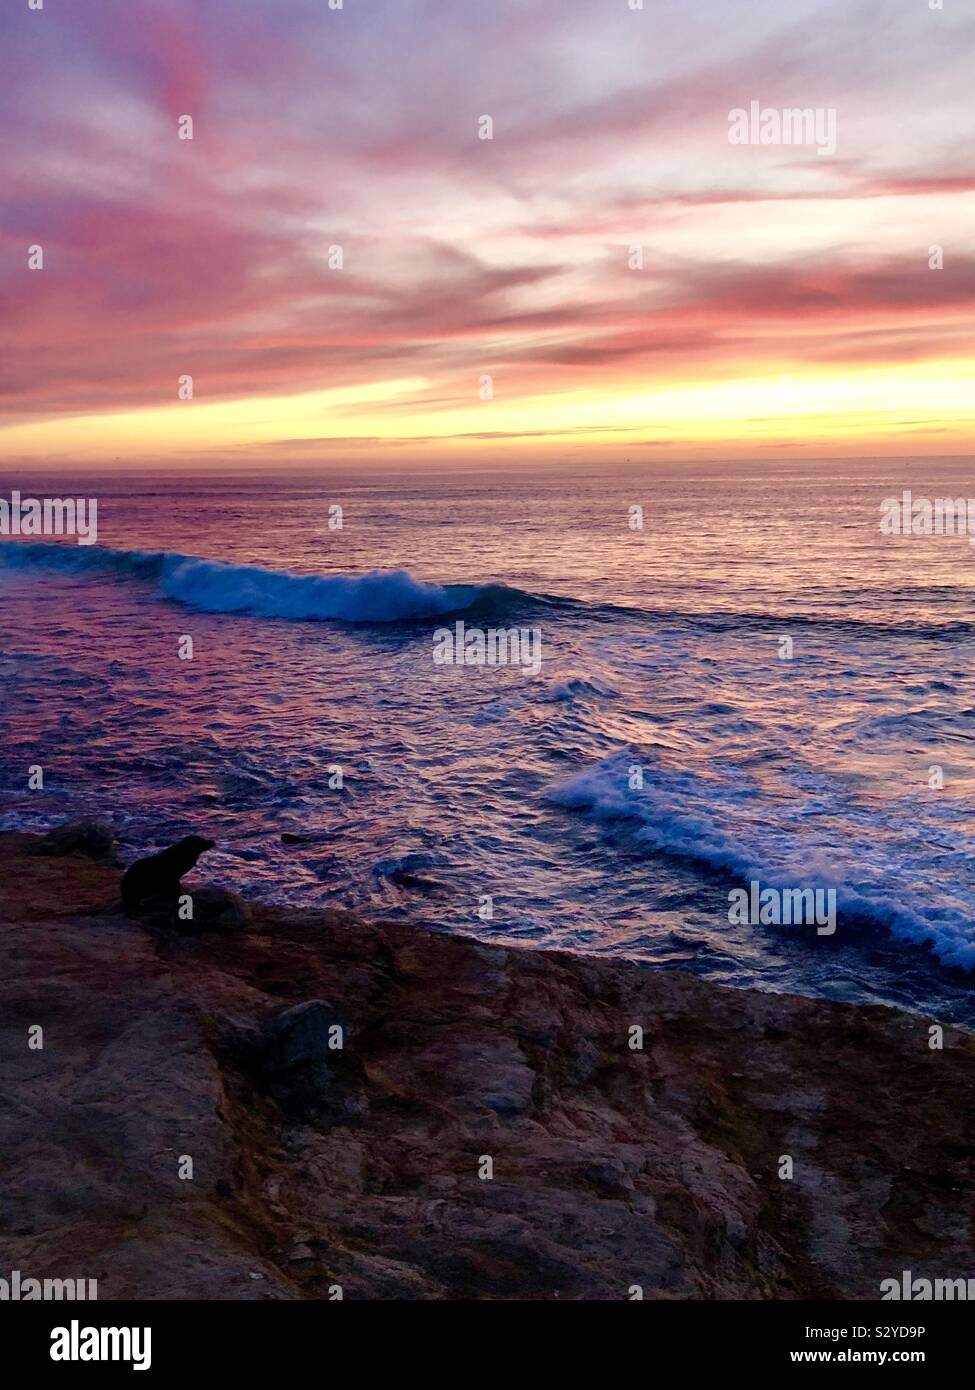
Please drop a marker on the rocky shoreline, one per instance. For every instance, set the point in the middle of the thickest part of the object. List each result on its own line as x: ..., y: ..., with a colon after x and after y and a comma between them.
x: 486, y: 1128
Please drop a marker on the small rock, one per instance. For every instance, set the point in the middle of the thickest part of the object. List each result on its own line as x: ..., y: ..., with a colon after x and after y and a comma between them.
x: 302, y: 1035
x: 610, y: 1177
x: 93, y: 838
x: 304, y: 1072
x: 218, y: 909
x: 417, y: 881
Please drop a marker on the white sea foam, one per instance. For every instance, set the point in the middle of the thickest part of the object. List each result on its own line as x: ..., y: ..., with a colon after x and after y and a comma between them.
x: 216, y: 586
x: 710, y: 820
x: 379, y: 597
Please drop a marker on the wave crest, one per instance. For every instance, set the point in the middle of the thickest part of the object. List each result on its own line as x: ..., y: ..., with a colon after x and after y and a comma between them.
x: 217, y: 586
x: 682, y: 814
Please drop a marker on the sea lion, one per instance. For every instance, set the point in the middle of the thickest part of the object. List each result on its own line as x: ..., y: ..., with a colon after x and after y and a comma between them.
x: 159, y: 875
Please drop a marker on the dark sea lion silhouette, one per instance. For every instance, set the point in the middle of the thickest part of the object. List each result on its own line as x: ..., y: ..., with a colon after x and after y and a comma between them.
x: 158, y: 876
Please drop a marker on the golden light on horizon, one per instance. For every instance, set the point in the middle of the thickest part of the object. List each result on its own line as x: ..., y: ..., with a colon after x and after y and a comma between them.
x: 802, y: 407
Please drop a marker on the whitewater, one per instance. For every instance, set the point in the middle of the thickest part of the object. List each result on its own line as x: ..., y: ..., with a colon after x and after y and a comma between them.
x: 312, y: 707
x: 217, y: 587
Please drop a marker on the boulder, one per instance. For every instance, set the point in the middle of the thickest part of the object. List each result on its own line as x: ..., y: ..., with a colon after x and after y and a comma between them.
x: 93, y: 838
x: 301, y: 1035
x: 217, y: 909
x: 304, y: 1065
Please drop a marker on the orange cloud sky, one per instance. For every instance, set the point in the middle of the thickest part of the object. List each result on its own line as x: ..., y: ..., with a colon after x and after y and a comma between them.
x: 608, y: 274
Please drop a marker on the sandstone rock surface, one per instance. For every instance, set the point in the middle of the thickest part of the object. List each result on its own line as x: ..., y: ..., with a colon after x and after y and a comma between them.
x: 610, y: 1167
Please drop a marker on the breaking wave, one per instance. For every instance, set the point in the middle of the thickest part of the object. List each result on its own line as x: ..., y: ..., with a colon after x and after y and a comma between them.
x: 386, y: 596
x: 711, y: 822
x: 578, y: 688
x: 216, y: 586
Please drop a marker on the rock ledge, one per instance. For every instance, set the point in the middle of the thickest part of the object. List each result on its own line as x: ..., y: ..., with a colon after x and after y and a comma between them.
x: 367, y: 1167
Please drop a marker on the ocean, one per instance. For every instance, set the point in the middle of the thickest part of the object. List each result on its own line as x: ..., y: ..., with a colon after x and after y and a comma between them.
x: 793, y: 687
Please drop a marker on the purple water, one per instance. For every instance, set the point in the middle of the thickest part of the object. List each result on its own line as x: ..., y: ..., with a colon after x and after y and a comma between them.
x: 314, y: 705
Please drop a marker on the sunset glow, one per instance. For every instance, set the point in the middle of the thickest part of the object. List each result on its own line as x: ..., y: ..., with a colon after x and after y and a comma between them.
x: 626, y: 278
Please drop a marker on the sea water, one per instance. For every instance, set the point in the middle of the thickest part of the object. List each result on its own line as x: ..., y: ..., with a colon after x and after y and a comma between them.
x: 742, y: 679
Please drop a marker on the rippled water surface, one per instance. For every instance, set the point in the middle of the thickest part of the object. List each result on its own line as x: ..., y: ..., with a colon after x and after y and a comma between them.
x: 661, y: 650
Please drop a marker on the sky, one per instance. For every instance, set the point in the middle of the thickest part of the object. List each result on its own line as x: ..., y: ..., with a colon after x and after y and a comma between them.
x: 348, y: 270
